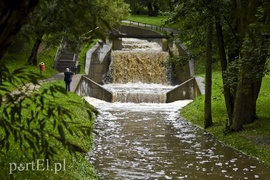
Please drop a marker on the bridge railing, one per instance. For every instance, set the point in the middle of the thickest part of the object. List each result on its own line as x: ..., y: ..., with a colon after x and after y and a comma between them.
x: 147, y: 26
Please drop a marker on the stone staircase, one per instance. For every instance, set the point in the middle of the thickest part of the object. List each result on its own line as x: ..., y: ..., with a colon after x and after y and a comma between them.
x: 66, y: 59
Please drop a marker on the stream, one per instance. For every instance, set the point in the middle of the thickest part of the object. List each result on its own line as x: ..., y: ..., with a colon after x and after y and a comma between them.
x: 151, y: 141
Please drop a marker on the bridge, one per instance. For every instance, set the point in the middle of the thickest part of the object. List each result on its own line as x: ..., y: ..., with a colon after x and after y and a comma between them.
x: 130, y: 29
x: 140, y: 36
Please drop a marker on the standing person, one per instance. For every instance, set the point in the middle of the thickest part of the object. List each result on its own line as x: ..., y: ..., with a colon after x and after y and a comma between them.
x: 68, y: 78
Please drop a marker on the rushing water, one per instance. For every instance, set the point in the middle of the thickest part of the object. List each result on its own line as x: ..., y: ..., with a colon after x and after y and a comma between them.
x: 139, y: 92
x: 151, y: 141
x: 139, y: 60
x: 142, y: 137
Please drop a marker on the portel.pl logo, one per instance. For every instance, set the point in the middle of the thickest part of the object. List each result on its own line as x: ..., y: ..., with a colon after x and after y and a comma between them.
x: 38, y: 165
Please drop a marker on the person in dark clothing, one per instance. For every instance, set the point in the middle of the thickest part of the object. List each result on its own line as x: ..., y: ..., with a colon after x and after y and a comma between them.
x: 68, y: 78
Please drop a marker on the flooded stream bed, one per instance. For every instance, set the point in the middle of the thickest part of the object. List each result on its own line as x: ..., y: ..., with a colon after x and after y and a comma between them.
x: 141, y: 137
x: 151, y: 141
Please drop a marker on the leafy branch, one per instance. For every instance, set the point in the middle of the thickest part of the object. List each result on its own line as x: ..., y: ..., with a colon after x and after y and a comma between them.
x: 34, y: 121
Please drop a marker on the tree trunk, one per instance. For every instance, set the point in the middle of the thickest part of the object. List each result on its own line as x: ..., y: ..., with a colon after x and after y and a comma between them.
x: 252, y: 68
x: 245, y: 100
x: 208, y: 77
x: 156, y: 9
x: 249, y: 84
x: 12, y: 17
x: 243, y: 103
x: 223, y: 61
x: 32, y: 60
x: 150, y: 9
x: 171, y: 5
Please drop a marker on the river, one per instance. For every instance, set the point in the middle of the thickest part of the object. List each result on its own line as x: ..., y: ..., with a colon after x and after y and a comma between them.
x: 151, y: 141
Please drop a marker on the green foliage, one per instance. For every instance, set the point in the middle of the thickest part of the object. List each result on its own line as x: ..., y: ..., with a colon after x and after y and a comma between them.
x: 83, y: 50
x: 253, y: 140
x: 78, y: 168
x: 158, y: 21
x: 142, y: 7
x: 17, y: 59
x: 35, y: 120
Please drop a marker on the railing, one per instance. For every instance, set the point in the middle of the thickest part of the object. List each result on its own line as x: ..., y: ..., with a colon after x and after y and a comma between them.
x: 58, y: 52
x: 147, y: 26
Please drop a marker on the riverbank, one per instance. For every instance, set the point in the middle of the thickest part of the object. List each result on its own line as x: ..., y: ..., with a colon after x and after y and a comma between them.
x: 254, y: 140
x: 63, y: 165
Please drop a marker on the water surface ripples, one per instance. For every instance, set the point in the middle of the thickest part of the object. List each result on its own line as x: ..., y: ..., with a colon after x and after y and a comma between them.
x: 151, y: 141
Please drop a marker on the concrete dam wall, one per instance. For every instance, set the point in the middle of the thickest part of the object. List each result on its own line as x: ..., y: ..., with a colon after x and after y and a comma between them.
x: 98, y: 69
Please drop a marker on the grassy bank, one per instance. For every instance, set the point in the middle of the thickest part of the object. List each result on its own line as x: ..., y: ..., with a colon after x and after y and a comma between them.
x: 84, y: 48
x: 63, y: 165
x: 158, y: 21
x: 254, y: 140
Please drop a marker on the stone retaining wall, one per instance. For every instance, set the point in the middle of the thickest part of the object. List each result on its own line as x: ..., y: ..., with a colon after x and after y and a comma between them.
x: 97, y: 61
x: 87, y: 87
x: 187, y: 90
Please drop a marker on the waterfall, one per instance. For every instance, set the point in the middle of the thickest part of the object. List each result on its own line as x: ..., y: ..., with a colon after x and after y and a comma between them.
x: 139, y: 61
x: 139, y: 97
x: 139, y: 92
x: 138, y: 72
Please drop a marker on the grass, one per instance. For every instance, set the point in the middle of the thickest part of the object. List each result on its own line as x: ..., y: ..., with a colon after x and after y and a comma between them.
x: 15, y: 60
x: 85, y: 47
x: 252, y: 139
x: 69, y: 167
x: 72, y: 168
x: 158, y: 21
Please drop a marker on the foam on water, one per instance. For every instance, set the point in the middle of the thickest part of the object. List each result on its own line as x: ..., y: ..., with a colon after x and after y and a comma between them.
x: 139, y: 92
x: 152, y: 141
x: 139, y: 45
x: 138, y: 107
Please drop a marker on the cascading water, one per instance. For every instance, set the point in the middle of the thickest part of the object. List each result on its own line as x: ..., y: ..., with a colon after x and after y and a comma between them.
x: 139, y: 61
x: 141, y: 137
x: 139, y: 92
x: 138, y: 73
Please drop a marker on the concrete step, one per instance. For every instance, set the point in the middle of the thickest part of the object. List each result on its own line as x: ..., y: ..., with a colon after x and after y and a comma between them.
x: 68, y: 56
x: 62, y: 65
x: 65, y: 60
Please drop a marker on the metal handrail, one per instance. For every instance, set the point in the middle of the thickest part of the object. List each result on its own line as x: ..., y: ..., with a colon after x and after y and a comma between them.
x: 147, y: 26
x: 58, y: 52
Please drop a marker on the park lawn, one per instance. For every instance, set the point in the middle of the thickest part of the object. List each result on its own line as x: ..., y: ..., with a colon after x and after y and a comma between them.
x: 72, y: 167
x: 158, y: 21
x: 63, y: 165
x: 254, y: 140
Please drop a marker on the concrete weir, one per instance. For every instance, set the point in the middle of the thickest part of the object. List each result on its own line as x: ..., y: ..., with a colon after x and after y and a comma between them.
x: 98, y: 66
x: 88, y: 87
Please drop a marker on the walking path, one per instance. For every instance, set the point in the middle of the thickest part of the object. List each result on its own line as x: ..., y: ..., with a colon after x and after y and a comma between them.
x: 60, y: 76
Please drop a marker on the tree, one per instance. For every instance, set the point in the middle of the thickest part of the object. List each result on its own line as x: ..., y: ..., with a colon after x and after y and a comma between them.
x: 208, y: 76
x: 32, y: 132
x: 13, y: 15
x: 153, y: 6
x: 35, y: 121
x: 242, y: 39
x: 247, y: 61
x: 71, y: 20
